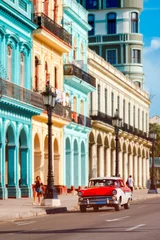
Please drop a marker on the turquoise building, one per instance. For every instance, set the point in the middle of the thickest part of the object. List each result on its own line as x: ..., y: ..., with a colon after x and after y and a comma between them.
x: 17, y: 102
x: 77, y: 85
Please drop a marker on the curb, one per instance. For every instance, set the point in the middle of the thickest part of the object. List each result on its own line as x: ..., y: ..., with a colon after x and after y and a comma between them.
x: 55, y: 210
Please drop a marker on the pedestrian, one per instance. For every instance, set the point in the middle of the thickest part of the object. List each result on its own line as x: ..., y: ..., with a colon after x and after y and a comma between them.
x: 38, y: 190
x: 130, y: 182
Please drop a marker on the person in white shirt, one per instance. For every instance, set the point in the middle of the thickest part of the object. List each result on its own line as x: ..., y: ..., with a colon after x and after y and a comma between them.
x: 130, y: 183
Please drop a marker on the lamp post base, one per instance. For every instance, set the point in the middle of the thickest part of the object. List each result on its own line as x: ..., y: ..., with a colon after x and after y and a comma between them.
x: 51, y: 202
x: 153, y: 191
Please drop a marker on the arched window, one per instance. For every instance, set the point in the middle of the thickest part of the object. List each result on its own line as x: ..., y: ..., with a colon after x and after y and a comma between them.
x: 36, y: 74
x: 91, y: 23
x: 9, y: 63
x: 111, y: 23
x: 22, y: 70
x: 55, y: 77
x: 46, y: 72
x: 82, y: 107
x: 35, y: 6
x: 75, y: 104
x: 55, y: 10
x: 134, y: 22
x: 91, y: 4
x: 75, y: 49
x: 82, y: 52
x: 46, y: 3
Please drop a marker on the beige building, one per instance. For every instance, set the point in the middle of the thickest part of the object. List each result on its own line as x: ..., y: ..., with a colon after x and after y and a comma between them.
x: 116, y: 91
x: 50, y: 41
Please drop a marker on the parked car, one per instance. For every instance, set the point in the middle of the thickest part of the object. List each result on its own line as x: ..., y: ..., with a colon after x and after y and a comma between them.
x: 105, y: 192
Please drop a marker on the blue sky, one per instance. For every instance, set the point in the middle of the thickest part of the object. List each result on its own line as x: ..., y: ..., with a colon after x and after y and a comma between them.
x: 150, y: 28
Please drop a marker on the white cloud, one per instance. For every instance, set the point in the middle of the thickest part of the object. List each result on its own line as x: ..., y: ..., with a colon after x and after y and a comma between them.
x: 154, y: 46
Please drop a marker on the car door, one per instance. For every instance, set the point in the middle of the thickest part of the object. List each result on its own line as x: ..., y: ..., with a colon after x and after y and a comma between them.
x: 123, y: 190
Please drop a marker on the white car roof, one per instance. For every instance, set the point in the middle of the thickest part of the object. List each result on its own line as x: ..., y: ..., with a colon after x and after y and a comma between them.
x: 109, y: 178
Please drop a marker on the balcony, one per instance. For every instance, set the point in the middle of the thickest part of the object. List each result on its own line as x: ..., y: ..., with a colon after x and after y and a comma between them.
x: 11, y: 90
x: 62, y: 111
x: 76, y: 77
x: 99, y: 116
x: 46, y: 24
x: 81, y: 119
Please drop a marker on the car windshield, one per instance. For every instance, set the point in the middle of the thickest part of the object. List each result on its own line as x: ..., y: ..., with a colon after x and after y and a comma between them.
x: 103, y: 183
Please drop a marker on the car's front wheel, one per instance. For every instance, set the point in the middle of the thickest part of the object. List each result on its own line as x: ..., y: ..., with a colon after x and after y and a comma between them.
x: 127, y: 205
x: 118, y: 206
x: 82, y: 208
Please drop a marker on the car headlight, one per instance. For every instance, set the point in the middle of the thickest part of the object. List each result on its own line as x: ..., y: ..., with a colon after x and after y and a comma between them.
x: 79, y: 194
x: 114, y: 192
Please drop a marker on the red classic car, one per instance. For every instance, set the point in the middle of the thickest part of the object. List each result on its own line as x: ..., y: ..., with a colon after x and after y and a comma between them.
x: 105, y: 191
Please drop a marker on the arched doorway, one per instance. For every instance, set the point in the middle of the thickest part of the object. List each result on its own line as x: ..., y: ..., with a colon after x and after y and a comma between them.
x: 68, y: 163
x: 37, y: 157
x: 23, y: 165
x: 10, y: 163
x: 56, y: 162
x: 76, y: 165
x: 92, y: 156
x: 99, y: 153
x: 83, y: 165
x: 106, y: 156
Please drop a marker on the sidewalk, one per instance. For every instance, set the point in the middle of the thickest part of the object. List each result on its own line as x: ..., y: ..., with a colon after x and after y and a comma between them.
x: 16, y: 209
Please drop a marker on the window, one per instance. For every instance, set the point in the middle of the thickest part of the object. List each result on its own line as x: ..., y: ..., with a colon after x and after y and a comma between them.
x: 138, y: 118
x: 124, y: 110
x: 146, y: 122
x: 105, y: 100
x: 46, y: 72
x: 112, y: 3
x: 112, y: 104
x: 55, y: 77
x: 134, y: 22
x: 36, y: 74
x: 9, y: 64
x: 91, y: 22
x: 46, y: 3
x: 118, y: 103
x: 136, y: 56
x: 129, y: 113
x: 22, y: 71
x: 143, y: 121
x: 111, y: 56
x: 75, y: 49
x: 111, y: 23
x: 23, y: 5
x: 91, y: 99
x: 92, y: 4
x: 99, y: 88
x: 134, y: 117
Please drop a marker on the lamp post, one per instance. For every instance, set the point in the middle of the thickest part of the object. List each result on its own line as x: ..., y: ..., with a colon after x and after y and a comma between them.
x: 152, y: 189
x: 50, y: 196
x: 116, y: 122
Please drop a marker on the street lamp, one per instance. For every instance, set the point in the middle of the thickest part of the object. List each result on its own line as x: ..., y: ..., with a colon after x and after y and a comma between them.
x: 50, y: 196
x: 152, y: 189
x: 117, y: 122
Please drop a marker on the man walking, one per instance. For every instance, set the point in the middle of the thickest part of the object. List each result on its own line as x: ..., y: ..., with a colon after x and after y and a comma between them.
x: 130, y: 182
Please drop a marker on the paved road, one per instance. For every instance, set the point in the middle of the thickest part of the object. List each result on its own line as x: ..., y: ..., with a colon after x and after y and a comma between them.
x: 141, y: 221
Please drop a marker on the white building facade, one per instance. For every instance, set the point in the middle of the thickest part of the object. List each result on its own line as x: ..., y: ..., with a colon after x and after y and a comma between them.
x: 116, y: 91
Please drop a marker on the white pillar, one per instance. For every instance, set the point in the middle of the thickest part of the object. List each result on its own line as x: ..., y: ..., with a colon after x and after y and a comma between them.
x: 108, y: 161
x: 140, y: 172
x: 135, y: 173
x: 101, y: 161
x: 144, y: 181
x: 120, y: 163
x: 125, y: 166
x: 130, y: 164
x: 113, y: 162
x: 94, y: 161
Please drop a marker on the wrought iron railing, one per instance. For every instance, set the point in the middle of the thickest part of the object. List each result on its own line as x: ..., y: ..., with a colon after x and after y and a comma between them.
x: 71, y: 69
x: 81, y: 119
x: 62, y: 111
x: 16, y: 92
x: 96, y: 115
x: 44, y: 21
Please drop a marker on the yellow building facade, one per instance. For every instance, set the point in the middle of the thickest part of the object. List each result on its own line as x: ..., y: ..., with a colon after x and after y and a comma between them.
x: 50, y: 41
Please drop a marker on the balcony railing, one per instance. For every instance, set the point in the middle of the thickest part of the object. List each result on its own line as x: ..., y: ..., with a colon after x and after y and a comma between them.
x: 71, y: 69
x: 96, y: 115
x: 62, y: 111
x: 44, y: 21
x: 16, y: 92
x: 81, y: 119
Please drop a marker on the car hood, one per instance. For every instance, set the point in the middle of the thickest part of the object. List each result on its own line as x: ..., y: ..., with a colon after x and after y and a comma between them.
x: 97, y: 191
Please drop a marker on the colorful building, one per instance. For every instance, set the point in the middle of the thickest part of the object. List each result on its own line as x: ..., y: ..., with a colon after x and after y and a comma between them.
x: 115, y: 34
x: 50, y: 42
x: 77, y: 85
x: 17, y: 102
